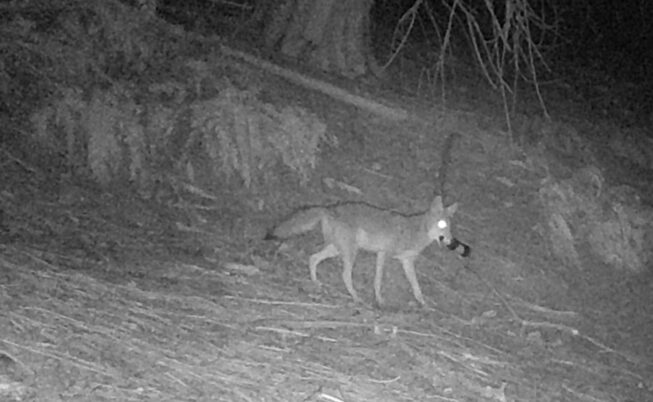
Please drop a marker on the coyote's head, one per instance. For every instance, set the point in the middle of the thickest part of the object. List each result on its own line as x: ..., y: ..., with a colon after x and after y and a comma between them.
x: 438, y: 221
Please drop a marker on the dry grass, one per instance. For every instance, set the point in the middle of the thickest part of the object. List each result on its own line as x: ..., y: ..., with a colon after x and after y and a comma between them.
x: 135, y: 323
x: 72, y: 335
x: 105, y: 296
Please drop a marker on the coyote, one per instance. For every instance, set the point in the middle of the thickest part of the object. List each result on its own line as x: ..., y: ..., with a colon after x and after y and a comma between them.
x: 348, y: 227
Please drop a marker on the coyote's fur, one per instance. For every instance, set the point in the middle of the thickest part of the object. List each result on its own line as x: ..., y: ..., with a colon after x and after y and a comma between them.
x: 349, y: 227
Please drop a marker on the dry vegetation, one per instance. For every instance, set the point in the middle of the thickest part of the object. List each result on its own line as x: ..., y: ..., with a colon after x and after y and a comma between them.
x: 137, y: 190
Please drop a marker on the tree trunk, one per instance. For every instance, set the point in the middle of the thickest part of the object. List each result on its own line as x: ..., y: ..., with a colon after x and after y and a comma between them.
x: 332, y: 35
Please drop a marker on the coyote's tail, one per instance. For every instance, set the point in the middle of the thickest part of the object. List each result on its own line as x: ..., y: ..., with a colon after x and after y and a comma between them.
x: 300, y: 222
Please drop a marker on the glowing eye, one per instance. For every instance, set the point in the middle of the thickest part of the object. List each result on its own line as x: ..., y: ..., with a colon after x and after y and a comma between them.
x: 442, y: 224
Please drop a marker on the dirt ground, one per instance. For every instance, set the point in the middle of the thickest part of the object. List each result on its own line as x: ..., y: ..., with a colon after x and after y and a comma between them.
x: 106, y: 296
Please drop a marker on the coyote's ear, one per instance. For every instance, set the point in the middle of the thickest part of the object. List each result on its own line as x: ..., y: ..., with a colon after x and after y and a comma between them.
x: 451, y: 209
x: 436, y: 205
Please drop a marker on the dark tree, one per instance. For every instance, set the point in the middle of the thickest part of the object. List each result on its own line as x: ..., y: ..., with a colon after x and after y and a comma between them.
x: 332, y: 35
